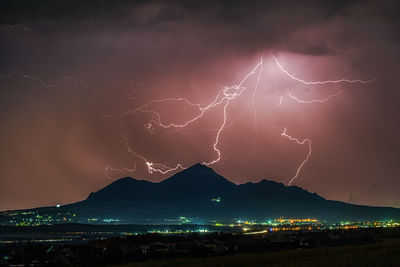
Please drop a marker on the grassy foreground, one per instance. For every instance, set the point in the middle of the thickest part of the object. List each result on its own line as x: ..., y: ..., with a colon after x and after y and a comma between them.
x: 384, y: 253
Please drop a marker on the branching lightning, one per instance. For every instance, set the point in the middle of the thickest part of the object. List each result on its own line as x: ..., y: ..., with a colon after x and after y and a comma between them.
x: 324, y: 100
x: 312, y: 101
x: 37, y: 79
x: 304, y: 141
x: 321, y: 82
x: 223, y: 99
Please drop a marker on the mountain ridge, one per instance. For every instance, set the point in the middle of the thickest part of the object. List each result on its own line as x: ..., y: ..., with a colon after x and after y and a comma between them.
x: 199, y: 192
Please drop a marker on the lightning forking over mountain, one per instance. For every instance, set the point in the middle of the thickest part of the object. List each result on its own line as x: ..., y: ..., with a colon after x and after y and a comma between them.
x: 220, y: 103
x: 223, y: 98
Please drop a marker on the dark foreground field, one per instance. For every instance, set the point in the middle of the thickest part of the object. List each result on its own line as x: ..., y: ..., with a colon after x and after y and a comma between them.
x: 384, y: 253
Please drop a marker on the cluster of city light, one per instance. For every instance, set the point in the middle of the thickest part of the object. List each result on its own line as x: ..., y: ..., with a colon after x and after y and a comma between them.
x: 306, y: 224
x: 286, y: 220
x: 167, y: 231
x: 179, y: 220
x: 35, y: 218
x: 218, y: 199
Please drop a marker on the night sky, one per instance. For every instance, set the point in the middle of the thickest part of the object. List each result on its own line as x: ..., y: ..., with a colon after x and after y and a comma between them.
x: 73, y: 73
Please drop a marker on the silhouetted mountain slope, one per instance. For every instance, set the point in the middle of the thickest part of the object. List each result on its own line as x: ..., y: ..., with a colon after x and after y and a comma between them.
x: 199, y: 192
x: 124, y: 189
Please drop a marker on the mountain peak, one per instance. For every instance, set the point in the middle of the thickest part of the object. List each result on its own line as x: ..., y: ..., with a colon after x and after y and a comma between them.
x: 199, y: 167
x: 198, y: 174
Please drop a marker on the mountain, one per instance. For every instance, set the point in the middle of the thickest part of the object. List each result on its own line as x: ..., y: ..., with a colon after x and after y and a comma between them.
x: 200, y: 193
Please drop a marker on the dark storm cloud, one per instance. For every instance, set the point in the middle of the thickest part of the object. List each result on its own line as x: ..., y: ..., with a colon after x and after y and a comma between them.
x: 16, y: 11
x: 86, y: 31
x: 234, y: 24
x: 56, y: 143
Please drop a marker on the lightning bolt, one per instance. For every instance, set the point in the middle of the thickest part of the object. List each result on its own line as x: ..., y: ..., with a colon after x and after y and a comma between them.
x: 280, y: 100
x: 297, y: 141
x: 312, y: 101
x: 37, y: 79
x: 223, y: 98
x: 322, y: 82
x: 329, y: 97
